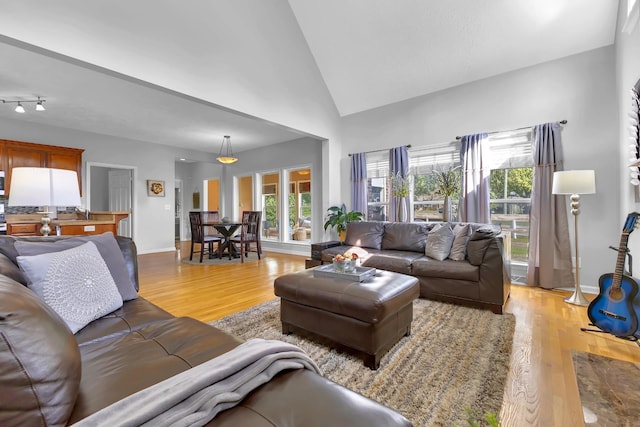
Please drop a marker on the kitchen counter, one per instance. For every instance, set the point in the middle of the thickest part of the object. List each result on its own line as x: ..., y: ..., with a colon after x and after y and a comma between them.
x: 70, y: 224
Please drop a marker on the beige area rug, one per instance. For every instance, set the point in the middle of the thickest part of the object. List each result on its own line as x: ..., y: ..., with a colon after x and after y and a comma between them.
x: 609, y: 390
x: 221, y: 261
x: 456, y: 357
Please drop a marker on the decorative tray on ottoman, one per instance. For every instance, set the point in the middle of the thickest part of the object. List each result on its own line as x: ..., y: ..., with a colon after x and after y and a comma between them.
x: 359, y: 275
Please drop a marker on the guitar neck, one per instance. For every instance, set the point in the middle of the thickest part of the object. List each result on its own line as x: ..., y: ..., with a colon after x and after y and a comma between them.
x: 622, y: 252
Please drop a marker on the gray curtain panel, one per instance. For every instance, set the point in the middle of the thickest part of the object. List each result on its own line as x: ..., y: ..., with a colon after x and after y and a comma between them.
x: 474, y: 203
x: 398, y: 163
x: 359, y: 182
x: 549, y: 245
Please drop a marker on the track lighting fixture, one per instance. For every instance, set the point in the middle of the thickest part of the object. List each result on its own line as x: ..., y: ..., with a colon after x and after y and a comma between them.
x: 20, y: 108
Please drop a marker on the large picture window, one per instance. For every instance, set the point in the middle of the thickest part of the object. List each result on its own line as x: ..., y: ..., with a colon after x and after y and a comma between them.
x: 511, y: 179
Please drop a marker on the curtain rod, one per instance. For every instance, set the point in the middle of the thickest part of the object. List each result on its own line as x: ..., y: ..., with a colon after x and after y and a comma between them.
x: 564, y: 122
x: 382, y: 149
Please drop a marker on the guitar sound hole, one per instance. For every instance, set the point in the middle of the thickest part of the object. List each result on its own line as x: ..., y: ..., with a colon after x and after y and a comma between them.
x: 616, y: 294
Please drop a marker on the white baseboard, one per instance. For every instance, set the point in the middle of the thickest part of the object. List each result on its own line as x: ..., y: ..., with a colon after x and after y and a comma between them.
x: 156, y: 250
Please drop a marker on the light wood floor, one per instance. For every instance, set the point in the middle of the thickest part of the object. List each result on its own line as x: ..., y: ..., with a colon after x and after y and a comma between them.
x: 541, y: 387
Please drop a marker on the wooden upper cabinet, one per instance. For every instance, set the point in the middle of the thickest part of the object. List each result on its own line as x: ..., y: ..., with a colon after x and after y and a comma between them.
x: 23, y: 154
x: 67, y: 158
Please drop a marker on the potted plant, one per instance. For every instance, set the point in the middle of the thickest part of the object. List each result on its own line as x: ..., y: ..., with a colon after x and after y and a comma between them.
x: 338, y: 217
x: 447, y: 184
x: 400, y: 189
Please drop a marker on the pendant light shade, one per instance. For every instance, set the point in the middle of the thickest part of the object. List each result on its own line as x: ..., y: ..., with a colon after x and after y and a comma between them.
x: 226, y: 153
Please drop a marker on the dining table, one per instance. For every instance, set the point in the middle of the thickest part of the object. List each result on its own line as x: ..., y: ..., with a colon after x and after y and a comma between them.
x: 226, y: 230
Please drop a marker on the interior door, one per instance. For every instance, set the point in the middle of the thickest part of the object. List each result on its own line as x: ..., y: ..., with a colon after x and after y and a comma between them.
x: 120, y: 181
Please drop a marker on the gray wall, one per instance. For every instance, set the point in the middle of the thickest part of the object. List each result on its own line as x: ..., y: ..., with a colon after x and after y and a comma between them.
x: 153, y: 226
x: 580, y: 89
x: 289, y: 155
x: 99, y: 189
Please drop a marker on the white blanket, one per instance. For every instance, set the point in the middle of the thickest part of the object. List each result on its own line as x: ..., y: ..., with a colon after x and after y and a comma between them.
x: 194, y: 397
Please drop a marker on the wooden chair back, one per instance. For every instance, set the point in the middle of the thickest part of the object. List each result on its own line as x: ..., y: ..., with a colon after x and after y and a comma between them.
x: 197, y: 233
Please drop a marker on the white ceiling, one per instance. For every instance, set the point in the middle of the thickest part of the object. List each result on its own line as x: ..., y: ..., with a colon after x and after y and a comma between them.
x: 369, y: 52
x: 376, y: 52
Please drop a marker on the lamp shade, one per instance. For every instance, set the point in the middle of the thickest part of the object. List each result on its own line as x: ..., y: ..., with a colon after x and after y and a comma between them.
x: 44, y: 187
x: 574, y: 182
x: 226, y: 153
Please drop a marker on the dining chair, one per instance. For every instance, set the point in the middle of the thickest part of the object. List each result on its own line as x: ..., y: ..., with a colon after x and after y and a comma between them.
x: 198, y: 236
x: 249, y: 233
x: 209, y: 217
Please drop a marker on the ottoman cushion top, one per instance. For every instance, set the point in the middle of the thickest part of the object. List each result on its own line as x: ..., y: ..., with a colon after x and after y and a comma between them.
x: 370, y: 301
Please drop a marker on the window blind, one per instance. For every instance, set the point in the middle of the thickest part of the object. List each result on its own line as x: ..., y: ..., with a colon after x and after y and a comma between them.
x: 511, y: 149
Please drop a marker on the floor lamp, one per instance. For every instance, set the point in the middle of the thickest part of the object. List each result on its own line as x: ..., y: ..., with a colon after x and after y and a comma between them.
x: 44, y: 187
x: 575, y: 182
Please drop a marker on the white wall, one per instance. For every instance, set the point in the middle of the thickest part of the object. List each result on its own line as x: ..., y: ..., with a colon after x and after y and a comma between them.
x: 580, y: 89
x: 628, y: 73
x: 257, y: 60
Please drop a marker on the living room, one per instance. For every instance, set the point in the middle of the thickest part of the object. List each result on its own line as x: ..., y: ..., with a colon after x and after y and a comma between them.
x: 270, y: 74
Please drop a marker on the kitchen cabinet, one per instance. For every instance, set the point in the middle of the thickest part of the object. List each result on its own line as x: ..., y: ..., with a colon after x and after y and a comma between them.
x: 24, y: 229
x: 25, y: 154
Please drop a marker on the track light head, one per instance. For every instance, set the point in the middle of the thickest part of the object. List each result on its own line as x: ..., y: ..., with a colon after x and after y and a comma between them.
x: 19, y: 108
x: 39, y: 106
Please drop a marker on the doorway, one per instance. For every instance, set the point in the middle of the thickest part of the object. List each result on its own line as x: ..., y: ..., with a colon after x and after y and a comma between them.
x: 110, y: 188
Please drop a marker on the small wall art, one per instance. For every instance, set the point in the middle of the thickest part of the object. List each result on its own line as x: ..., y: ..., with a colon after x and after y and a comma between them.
x: 155, y: 188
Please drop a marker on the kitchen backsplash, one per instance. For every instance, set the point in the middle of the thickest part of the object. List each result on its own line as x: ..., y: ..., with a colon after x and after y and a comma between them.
x: 9, y: 210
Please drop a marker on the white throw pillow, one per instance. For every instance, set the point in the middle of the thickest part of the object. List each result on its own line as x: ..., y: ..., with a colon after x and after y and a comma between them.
x: 462, y: 234
x: 75, y: 283
x: 439, y: 241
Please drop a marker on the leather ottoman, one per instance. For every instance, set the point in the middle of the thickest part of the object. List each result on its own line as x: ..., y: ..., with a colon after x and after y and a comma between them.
x: 369, y: 316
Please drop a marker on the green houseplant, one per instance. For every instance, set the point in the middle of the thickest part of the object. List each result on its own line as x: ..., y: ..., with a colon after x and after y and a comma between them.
x: 338, y: 217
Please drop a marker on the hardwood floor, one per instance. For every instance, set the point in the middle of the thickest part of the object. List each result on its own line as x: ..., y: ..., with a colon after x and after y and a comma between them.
x: 541, y: 387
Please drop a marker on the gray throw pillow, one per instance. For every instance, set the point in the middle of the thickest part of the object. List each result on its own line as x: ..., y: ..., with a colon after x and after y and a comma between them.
x: 459, y: 246
x: 365, y: 234
x: 75, y: 283
x: 106, y: 244
x: 439, y: 241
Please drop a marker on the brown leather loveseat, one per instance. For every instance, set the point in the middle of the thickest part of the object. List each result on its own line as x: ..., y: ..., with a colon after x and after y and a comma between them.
x: 49, y: 376
x: 472, y: 270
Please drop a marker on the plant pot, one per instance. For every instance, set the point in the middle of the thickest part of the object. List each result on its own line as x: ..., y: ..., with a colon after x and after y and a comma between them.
x: 402, y: 214
x: 342, y: 235
x: 446, y: 210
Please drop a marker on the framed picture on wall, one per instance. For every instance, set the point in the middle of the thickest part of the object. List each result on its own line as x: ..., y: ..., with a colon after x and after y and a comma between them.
x: 155, y: 188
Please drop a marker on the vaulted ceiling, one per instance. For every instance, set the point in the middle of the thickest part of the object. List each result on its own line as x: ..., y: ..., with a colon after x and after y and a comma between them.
x: 369, y: 53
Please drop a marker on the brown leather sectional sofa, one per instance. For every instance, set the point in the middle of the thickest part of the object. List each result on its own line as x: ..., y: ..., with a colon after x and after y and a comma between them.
x: 481, y: 279
x: 50, y: 377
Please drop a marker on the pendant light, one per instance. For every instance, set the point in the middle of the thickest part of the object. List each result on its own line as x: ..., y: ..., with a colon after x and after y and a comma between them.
x: 226, y: 155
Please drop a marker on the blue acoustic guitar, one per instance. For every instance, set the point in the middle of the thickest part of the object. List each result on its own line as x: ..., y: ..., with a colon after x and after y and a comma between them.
x: 613, y: 309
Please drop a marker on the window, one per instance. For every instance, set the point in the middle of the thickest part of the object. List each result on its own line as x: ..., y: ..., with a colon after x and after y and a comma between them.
x: 299, y: 204
x: 511, y: 183
x: 427, y: 203
x: 378, y: 188
x: 270, y: 212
